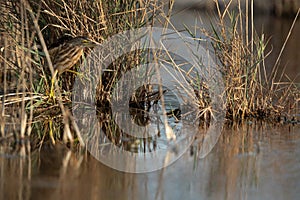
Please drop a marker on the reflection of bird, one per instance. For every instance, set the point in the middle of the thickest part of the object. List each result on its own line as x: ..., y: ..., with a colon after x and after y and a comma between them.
x: 65, y: 53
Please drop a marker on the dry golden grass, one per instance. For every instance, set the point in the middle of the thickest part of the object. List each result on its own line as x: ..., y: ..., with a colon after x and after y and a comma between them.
x: 28, y: 27
x: 250, y: 92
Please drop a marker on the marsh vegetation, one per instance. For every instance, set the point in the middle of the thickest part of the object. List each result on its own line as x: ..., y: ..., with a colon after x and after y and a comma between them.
x: 28, y: 28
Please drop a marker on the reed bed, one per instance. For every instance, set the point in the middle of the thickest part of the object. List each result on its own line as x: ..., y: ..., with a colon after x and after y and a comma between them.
x: 251, y: 92
x: 28, y: 27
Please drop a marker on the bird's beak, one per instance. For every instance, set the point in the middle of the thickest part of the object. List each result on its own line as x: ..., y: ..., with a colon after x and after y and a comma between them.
x: 90, y: 43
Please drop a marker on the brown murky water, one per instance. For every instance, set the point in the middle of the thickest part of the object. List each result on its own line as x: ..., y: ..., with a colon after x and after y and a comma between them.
x: 277, y: 30
x: 251, y: 161
x: 256, y: 161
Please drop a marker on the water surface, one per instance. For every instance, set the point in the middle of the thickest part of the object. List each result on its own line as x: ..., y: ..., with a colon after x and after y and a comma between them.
x: 254, y: 161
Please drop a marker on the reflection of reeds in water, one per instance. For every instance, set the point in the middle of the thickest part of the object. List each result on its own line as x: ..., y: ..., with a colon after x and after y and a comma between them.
x: 236, y: 158
x: 15, y: 170
x: 233, y: 170
x: 24, y: 170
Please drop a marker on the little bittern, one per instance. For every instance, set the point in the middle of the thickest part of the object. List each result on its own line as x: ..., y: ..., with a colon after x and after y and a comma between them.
x: 65, y: 53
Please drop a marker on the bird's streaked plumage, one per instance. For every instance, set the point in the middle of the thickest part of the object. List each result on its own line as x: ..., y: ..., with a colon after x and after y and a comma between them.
x: 65, y: 54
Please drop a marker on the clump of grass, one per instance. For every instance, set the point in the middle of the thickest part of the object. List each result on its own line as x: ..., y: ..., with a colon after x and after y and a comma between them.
x: 250, y: 91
